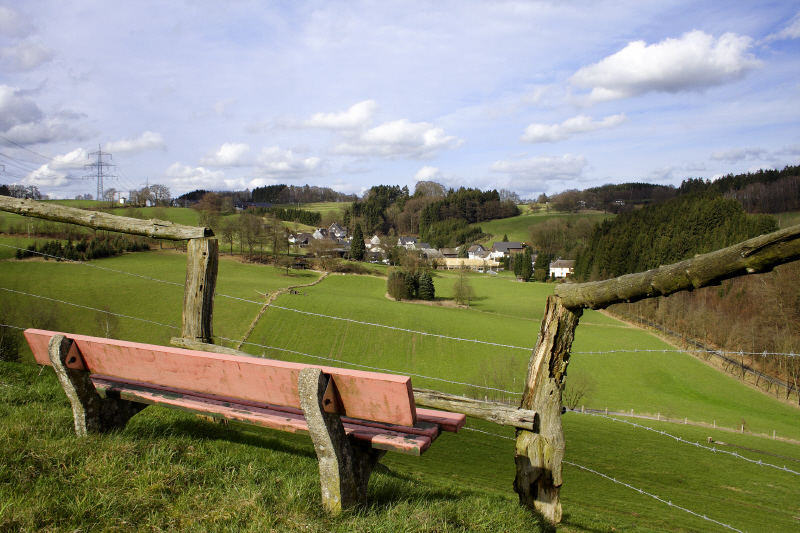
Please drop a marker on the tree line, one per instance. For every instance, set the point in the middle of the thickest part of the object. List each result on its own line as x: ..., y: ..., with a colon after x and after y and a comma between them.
x: 441, y: 217
x: 762, y: 191
x: 665, y: 233
x: 291, y: 194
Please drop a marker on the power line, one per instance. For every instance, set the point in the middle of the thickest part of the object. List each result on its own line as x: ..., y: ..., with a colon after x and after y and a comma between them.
x: 26, y: 148
x: 99, y: 167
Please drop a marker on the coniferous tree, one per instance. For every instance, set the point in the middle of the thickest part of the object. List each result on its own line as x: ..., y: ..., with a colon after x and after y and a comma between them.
x: 357, y: 247
x: 526, y: 268
x: 426, y: 288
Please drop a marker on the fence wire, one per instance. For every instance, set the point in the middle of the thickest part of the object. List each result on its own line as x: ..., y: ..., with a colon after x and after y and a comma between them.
x: 413, y: 331
x: 627, y: 485
x: 713, y: 449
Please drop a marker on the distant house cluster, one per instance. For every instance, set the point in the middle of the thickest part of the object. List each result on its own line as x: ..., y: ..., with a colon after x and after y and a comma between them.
x: 477, y: 257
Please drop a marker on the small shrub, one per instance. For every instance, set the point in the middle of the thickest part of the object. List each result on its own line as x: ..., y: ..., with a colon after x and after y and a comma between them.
x: 396, y: 285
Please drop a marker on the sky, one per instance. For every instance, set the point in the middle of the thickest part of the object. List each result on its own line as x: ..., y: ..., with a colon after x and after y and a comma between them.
x: 532, y: 97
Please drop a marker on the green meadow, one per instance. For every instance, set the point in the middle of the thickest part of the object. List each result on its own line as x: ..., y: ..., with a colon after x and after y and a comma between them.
x: 172, y: 471
x: 518, y: 228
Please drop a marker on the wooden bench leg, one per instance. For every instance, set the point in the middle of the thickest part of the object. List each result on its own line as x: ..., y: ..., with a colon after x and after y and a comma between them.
x: 344, y: 466
x: 91, y: 412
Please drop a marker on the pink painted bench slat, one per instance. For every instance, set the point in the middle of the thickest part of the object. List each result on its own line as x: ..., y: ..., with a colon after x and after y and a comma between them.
x: 375, y: 408
x: 365, y: 395
x: 410, y: 441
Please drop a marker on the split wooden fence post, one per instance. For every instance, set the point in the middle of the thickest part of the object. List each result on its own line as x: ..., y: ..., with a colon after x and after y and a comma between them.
x: 538, y: 456
x: 198, y: 296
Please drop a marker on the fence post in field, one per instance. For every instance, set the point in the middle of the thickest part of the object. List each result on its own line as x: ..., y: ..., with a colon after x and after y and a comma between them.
x: 538, y: 456
x: 198, y: 293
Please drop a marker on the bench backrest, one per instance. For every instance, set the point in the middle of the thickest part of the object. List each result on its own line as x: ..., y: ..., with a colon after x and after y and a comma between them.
x: 374, y: 396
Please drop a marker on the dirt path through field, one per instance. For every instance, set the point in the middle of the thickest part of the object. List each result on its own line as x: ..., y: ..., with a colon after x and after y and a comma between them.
x: 270, y: 297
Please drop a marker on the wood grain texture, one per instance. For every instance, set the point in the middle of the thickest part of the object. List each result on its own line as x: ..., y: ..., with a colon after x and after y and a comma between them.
x: 202, y: 263
x: 759, y: 254
x: 159, y: 229
x: 538, y: 456
x: 496, y: 412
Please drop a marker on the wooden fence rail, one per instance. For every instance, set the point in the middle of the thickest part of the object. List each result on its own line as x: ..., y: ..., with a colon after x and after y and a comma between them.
x: 539, y: 456
x: 201, y: 257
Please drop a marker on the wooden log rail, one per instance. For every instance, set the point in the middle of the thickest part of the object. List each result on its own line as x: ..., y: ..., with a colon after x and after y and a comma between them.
x: 759, y: 254
x: 538, y: 455
x: 158, y: 229
x: 201, y: 253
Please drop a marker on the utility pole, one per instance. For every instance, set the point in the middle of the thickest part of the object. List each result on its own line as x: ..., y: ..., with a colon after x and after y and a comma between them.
x: 99, y: 169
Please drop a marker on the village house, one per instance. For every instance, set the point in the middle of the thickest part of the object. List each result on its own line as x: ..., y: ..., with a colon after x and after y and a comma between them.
x: 476, y: 251
x: 301, y: 239
x: 449, y: 253
x: 337, y: 231
x: 407, y: 242
x: 505, y: 249
x: 561, y: 268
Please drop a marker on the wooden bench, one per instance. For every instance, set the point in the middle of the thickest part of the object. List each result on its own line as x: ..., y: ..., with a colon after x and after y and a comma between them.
x: 353, y: 416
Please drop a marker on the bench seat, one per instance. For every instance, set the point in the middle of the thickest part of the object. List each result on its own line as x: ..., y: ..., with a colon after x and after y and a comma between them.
x: 352, y: 416
x: 411, y: 440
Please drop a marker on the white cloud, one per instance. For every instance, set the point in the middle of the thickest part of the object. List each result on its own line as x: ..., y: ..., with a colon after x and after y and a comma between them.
x: 230, y: 155
x: 791, y: 31
x: 184, y: 178
x: 427, y: 173
x: 539, y: 133
x: 148, y: 140
x: 739, y: 154
x: 45, y: 176
x: 357, y: 116
x: 22, y: 121
x: 74, y: 159
x: 15, y: 109
x: 51, y: 175
x: 44, y: 131
x: 26, y: 56
x: 12, y: 24
x: 399, y: 138
x: 691, y: 62
x: 274, y: 162
x: 542, y: 168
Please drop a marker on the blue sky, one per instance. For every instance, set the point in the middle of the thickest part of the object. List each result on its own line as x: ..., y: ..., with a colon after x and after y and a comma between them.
x: 528, y: 96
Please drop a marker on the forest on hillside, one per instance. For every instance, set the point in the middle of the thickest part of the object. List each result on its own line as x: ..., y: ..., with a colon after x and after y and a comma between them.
x: 748, y: 314
x: 440, y: 217
x: 665, y: 233
x: 762, y: 191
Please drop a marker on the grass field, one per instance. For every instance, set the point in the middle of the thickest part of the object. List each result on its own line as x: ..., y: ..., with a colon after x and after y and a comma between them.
x: 171, y: 471
x: 790, y: 218
x: 518, y: 228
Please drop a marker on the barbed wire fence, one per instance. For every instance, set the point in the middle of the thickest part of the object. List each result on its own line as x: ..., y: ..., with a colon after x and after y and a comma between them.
x: 432, y: 378
x: 622, y: 483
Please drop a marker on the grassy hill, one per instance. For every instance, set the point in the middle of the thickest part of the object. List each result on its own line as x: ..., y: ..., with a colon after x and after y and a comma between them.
x: 172, y: 471
x: 518, y: 228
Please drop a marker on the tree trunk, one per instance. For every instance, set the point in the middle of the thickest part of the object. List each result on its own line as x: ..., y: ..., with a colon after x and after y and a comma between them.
x: 538, y: 456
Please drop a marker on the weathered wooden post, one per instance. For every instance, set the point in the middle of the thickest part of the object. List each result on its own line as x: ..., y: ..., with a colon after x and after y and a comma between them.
x: 538, y: 456
x: 198, y: 295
